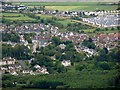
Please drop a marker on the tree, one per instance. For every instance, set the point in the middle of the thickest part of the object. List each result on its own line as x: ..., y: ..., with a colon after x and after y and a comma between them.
x: 104, y: 65
x: 56, y: 40
x: 102, y: 56
x: 89, y: 43
x: 13, y: 37
x: 106, y: 50
x: 114, y: 55
x: 78, y: 57
x: 97, y: 29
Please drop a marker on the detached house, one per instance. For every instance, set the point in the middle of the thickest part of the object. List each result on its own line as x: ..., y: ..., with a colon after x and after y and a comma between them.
x: 66, y: 63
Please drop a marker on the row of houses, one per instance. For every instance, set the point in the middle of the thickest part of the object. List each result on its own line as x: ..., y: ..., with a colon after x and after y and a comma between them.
x: 103, y: 21
x: 9, y: 7
x: 77, y: 13
x: 13, y: 67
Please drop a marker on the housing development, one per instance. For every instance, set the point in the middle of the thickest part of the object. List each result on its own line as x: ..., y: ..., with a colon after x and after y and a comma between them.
x: 48, y: 45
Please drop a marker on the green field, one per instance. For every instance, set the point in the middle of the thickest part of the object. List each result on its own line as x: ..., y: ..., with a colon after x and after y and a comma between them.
x: 85, y: 8
x: 16, y: 17
x: 11, y: 14
x: 65, y: 22
x: 50, y: 17
x: 56, y: 3
x: 64, y: 8
x: 26, y: 18
x: 44, y: 16
x: 89, y: 6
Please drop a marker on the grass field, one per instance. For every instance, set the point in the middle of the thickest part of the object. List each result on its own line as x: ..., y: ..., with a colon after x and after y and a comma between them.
x: 90, y: 31
x: 65, y: 22
x: 61, y: 20
x: 56, y: 3
x: 64, y: 8
x: 16, y: 17
x: 20, y: 19
x: 44, y: 16
x: 85, y: 8
x: 89, y: 6
x: 50, y: 16
x: 11, y: 14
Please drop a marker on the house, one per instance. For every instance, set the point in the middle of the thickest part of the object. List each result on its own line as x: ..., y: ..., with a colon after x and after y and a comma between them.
x: 66, y: 63
x: 21, y: 7
x: 41, y: 70
x: 37, y: 66
x: 62, y: 46
x: 27, y: 72
x: 7, y: 61
x: 14, y: 73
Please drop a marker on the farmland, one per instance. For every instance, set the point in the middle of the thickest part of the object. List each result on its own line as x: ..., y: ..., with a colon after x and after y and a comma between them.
x: 88, y: 6
x: 56, y: 3
x: 77, y: 8
x: 44, y: 16
x: 16, y: 17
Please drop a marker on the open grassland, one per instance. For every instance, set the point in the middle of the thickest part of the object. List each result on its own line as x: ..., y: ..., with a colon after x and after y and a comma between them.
x: 56, y: 3
x: 92, y: 32
x: 50, y: 16
x: 19, y: 19
x: 65, y: 22
x: 89, y: 6
x: 44, y: 16
x: 64, y: 8
x: 85, y: 8
x: 16, y: 17
x: 11, y: 14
